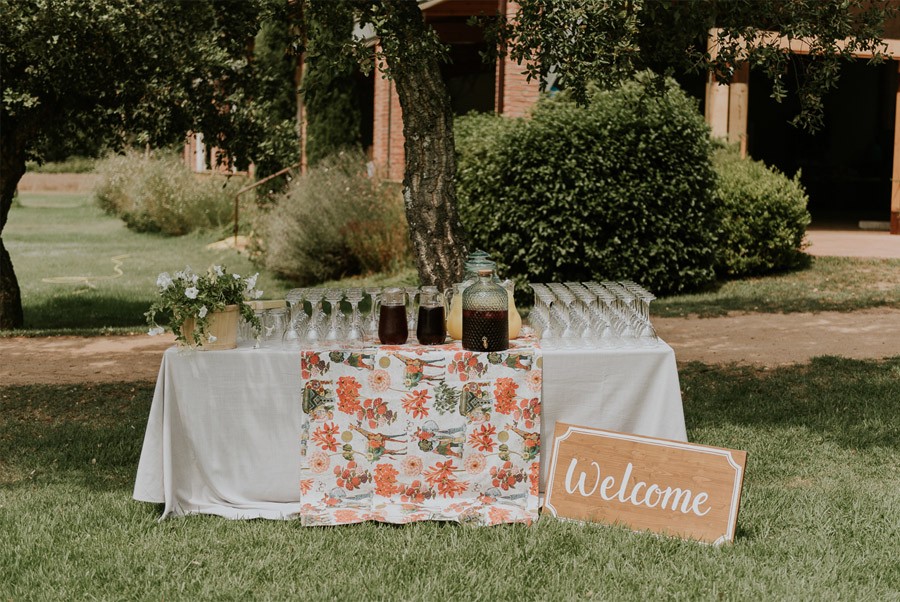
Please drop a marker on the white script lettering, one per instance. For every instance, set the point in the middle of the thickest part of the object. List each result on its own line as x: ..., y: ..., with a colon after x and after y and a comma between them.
x: 672, y: 498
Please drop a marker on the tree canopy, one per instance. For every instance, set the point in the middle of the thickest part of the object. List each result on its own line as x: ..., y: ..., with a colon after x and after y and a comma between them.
x: 576, y: 42
x: 125, y: 71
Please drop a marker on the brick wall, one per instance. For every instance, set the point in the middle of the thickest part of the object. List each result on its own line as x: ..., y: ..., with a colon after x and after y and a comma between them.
x: 387, y: 130
x: 515, y: 95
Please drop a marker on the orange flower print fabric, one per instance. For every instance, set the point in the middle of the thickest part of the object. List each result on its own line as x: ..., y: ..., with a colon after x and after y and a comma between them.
x: 413, y: 433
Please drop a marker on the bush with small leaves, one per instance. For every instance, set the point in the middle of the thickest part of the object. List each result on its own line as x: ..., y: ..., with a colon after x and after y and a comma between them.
x: 764, y: 217
x: 153, y: 193
x: 335, y: 221
x: 621, y: 188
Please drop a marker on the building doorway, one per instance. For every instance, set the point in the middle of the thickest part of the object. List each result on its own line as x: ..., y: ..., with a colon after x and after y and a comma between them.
x: 846, y: 166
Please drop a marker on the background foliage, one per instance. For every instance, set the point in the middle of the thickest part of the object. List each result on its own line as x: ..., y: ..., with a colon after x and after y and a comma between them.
x: 335, y: 221
x: 158, y: 193
x: 330, y: 87
x: 764, y: 217
x: 274, y: 103
x: 620, y: 188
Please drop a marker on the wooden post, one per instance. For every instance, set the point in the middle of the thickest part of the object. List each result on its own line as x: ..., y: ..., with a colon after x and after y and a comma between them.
x: 716, y: 96
x: 717, y: 107
x: 895, y: 176
x: 738, y: 101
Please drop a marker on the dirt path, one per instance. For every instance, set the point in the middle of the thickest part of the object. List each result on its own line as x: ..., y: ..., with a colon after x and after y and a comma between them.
x: 757, y: 339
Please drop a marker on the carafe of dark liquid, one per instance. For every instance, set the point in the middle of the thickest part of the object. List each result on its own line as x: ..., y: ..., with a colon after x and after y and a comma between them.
x: 485, y: 315
x: 430, y: 328
x: 392, y: 325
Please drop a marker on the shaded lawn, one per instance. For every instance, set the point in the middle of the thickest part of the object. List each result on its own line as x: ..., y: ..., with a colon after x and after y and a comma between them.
x: 820, y: 516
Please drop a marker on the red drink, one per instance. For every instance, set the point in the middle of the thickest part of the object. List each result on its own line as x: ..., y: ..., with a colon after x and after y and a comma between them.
x: 392, y: 327
x: 485, y: 330
x: 430, y: 329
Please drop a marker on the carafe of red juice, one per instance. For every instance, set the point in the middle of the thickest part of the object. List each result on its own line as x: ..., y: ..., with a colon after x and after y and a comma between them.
x: 478, y: 260
x: 392, y: 326
x: 485, y: 315
x: 430, y: 327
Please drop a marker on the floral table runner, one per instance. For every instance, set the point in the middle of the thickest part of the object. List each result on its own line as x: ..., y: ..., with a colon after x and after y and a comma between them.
x: 408, y: 433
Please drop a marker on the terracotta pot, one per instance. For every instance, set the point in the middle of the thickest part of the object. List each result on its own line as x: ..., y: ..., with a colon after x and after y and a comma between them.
x: 222, y: 324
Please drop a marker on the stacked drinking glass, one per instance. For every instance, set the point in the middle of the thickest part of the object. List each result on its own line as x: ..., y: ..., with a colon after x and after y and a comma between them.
x: 604, y: 315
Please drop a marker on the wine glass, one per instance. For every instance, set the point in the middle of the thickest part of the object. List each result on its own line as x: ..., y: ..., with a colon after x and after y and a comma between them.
x: 315, y: 329
x: 411, y: 294
x: 355, y: 334
x: 371, y: 322
x: 297, y: 320
x: 334, y: 296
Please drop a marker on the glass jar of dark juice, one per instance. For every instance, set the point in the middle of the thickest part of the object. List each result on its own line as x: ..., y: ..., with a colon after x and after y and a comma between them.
x: 392, y: 324
x: 485, y: 315
x: 431, y: 327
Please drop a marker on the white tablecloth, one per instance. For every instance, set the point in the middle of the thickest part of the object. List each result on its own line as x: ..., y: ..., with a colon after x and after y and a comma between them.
x: 223, y: 435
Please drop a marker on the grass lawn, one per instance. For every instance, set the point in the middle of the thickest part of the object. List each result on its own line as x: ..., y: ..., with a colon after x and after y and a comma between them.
x: 820, y: 515
x: 68, y: 256
x: 829, y: 284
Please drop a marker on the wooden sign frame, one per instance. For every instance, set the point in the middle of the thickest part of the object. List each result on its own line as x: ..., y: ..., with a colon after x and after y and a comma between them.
x: 648, y: 484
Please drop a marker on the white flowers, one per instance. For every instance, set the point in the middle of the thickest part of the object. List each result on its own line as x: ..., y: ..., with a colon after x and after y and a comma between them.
x: 212, y: 338
x: 156, y: 330
x: 186, y: 294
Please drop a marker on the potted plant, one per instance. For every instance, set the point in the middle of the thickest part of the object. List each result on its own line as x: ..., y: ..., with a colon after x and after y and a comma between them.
x: 203, y: 310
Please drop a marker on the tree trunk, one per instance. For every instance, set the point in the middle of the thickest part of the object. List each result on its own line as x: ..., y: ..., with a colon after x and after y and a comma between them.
x: 429, y: 186
x: 12, y: 168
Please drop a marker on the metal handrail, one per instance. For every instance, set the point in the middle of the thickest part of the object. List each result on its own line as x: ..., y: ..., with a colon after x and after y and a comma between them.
x: 250, y: 187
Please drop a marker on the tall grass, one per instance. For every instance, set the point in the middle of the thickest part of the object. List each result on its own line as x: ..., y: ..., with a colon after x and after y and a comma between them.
x: 158, y: 193
x: 818, y: 521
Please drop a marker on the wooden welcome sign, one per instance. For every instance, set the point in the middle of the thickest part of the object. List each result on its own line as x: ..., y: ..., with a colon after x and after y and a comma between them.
x: 681, y: 489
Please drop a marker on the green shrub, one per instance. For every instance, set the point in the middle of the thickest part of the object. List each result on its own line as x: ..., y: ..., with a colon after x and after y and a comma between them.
x: 620, y: 188
x: 764, y: 217
x: 160, y: 194
x: 333, y: 222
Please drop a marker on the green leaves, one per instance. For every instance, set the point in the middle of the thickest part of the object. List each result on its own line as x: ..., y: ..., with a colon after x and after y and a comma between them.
x: 764, y: 217
x: 620, y: 188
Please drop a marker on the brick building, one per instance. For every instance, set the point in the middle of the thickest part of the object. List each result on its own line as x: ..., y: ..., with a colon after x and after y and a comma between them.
x: 472, y: 84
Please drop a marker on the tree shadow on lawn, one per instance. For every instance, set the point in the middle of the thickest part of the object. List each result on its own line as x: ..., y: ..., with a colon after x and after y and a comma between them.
x: 852, y: 402
x: 86, y: 433
x: 93, y: 433
x: 85, y: 308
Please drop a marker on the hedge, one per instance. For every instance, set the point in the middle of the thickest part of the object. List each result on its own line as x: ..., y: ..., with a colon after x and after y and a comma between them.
x: 622, y: 188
